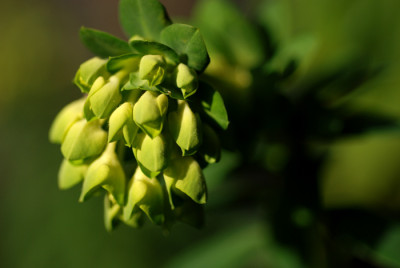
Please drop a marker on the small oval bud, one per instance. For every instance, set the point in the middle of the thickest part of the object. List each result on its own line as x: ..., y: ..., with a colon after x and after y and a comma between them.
x: 186, y: 80
x: 118, y: 120
x: 149, y: 112
x: 84, y: 140
x: 184, y: 176
x: 151, y: 154
x: 105, y: 172
x: 147, y: 195
x: 70, y: 175
x: 185, y: 128
x: 65, y: 119
x: 88, y: 72
x: 106, y: 99
x: 151, y: 68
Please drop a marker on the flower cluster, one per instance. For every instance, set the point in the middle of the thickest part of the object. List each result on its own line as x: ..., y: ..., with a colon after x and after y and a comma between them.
x: 141, y: 134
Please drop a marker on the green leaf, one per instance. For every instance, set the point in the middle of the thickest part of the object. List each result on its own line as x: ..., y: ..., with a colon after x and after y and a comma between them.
x: 184, y: 175
x: 84, y: 140
x: 145, y: 18
x: 65, y: 119
x: 147, y: 195
x: 211, y: 146
x: 187, y: 41
x: 117, y: 63
x: 154, y: 48
x: 213, y: 105
x: 105, y: 172
x: 227, y: 32
x: 136, y: 83
x: 88, y: 72
x: 103, y: 44
x: 70, y: 175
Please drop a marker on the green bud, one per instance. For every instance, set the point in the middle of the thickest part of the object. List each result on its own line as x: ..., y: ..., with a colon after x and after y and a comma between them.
x: 183, y: 177
x: 105, y: 172
x: 88, y: 72
x: 84, y: 140
x: 106, y: 99
x: 65, y: 119
x: 185, y: 128
x: 149, y: 112
x: 70, y: 175
x: 151, y: 154
x: 151, y: 68
x: 211, y: 147
x: 121, y: 124
x: 186, y: 80
x: 111, y: 211
x: 147, y: 195
x: 87, y: 109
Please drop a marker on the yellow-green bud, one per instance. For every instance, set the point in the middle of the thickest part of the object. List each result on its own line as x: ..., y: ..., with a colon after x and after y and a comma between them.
x: 84, y: 140
x: 149, y: 112
x: 145, y: 194
x: 185, y: 128
x: 70, y: 175
x: 65, y: 119
x: 184, y: 176
x: 152, y: 69
x: 121, y: 124
x: 106, y: 99
x: 151, y: 154
x: 105, y: 172
x: 186, y: 80
x: 88, y: 72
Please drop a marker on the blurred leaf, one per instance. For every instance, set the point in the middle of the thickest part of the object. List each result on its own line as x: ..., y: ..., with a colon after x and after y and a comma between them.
x: 103, y: 44
x: 145, y: 18
x: 387, y: 251
x: 229, y: 33
x: 187, y: 41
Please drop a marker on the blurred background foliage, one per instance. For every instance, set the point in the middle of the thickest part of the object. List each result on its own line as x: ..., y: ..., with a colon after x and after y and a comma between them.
x: 310, y: 177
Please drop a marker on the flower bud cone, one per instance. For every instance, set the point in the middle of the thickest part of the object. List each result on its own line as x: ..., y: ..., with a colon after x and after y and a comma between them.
x: 84, y: 140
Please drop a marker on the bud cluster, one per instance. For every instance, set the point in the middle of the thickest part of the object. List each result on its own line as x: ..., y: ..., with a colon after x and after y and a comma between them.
x: 140, y: 136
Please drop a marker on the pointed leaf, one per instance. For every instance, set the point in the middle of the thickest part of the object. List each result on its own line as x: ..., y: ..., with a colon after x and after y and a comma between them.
x: 187, y: 41
x: 103, y: 44
x: 213, y: 105
x: 84, y: 140
x: 145, y: 18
